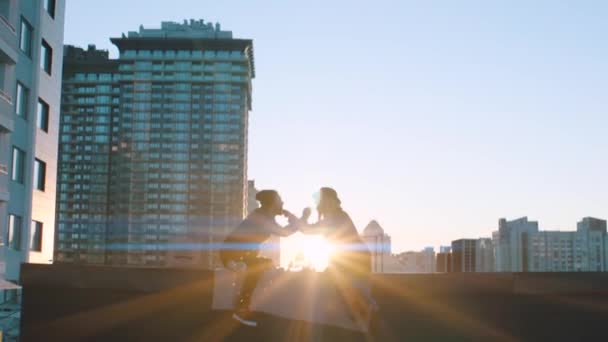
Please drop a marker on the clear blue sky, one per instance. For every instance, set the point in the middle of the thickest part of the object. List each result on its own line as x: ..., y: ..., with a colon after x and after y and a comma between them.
x: 433, y: 117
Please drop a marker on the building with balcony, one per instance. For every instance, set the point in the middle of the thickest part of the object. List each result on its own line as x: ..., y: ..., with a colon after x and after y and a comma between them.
x: 154, y: 146
x: 31, y: 39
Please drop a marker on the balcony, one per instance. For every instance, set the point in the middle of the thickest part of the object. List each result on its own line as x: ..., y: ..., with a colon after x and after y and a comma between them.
x: 8, y: 41
x: 68, y: 302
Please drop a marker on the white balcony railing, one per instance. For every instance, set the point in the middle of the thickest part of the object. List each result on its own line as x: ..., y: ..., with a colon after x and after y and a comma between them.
x: 3, y: 169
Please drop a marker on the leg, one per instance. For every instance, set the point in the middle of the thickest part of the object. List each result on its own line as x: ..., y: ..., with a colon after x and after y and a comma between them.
x: 255, y: 269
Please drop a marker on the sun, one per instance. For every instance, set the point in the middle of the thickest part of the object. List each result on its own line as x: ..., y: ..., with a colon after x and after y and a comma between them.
x: 305, y: 251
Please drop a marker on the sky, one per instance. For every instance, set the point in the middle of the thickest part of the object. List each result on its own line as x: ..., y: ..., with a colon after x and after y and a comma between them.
x: 436, y: 118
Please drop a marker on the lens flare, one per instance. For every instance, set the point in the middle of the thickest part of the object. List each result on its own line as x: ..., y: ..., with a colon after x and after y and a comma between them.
x: 306, y: 251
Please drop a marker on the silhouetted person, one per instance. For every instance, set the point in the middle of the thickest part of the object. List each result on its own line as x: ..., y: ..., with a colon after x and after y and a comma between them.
x: 243, y: 245
x: 350, y: 265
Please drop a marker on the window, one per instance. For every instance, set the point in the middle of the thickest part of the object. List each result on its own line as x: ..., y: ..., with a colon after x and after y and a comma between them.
x: 18, y: 165
x: 14, y: 232
x: 46, y: 57
x: 39, y: 174
x: 42, y: 118
x: 21, y: 100
x: 36, y: 237
x: 25, y: 38
x: 49, y: 7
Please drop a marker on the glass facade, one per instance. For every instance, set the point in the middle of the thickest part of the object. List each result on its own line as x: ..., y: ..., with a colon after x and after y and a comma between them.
x: 153, y: 152
x: 84, y: 162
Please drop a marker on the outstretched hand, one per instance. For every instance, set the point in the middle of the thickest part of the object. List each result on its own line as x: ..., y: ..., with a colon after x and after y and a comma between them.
x: 305, y: 214
x: 291, y: 218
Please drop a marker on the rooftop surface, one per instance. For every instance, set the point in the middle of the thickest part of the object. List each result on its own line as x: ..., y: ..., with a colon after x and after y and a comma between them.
x: 66, y: 302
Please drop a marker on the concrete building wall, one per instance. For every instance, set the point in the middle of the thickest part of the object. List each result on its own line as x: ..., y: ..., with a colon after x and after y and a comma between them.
x: 26, y: 201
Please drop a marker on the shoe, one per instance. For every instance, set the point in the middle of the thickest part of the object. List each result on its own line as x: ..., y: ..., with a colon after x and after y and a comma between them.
x: 239, y: 316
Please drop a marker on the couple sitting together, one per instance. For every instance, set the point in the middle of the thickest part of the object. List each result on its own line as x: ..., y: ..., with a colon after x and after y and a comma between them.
x: 350, y: 265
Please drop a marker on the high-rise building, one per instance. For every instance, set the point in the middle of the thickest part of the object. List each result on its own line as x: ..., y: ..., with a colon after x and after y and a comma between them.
x: 379, y: 244
x: 444, y: 259
x: 550, y: 251
x: 591, y: 237
x: 464, y: 255
x: 31, y: 39
x: 521, y: 247
x: 511, y: 244
x: 154, y: 146
x: 484, y: 255
x: 569, y: 251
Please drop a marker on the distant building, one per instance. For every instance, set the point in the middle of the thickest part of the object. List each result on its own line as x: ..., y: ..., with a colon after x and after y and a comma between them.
x: 484, y: 255
x: 511, y: 244
x: 153, y: 145
x: 379, y: 244
x: 521, y: 247
x: 550, y: 251
x: 569, y: 251
x: 464, y: 255
x: 444, y: 259
x: 591, y: 237
x: 418, y: 262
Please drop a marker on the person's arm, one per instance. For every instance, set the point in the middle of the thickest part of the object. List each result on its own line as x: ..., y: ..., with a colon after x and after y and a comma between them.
x: 291, y: 228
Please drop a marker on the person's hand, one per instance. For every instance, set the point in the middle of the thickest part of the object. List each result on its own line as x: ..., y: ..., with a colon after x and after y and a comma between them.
x: 291, y: 218
x: 305, y: 214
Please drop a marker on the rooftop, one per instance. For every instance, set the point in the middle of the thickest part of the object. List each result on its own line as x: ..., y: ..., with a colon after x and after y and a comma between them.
x: 62, y: 302
x: 188, y: 29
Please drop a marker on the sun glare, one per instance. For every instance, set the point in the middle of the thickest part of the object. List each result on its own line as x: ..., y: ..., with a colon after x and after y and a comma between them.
x: 302, y: 251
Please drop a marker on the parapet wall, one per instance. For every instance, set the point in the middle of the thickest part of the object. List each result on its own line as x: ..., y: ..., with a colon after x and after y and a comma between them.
x: 66, y: 302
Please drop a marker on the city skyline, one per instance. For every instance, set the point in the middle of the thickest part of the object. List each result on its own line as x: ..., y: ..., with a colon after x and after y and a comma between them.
x: 465, y: 113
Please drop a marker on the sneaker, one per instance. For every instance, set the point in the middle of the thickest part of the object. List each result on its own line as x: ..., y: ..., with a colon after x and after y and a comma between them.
x: 242, y: 318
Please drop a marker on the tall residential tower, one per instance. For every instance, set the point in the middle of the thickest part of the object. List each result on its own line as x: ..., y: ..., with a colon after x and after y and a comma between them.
x: 154, y: 146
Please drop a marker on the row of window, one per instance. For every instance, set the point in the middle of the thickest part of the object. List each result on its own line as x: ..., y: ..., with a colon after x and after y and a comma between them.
x: 21, y: 108
x: 221, y: 54
x: 14, y: 232
x: 18, y: 169
x: 183, y: 65
x: 183, y: 76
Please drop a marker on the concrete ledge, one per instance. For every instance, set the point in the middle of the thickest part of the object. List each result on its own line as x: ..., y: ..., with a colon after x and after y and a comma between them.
x: 64, y: 302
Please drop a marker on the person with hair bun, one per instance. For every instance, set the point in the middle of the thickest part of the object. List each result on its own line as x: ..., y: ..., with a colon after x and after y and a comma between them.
x: 350, y: 264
